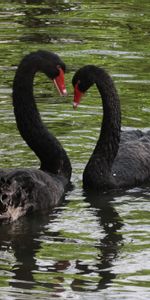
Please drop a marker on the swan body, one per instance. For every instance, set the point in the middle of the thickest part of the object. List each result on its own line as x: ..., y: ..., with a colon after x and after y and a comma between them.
x: 23, y: 191
x: 120, y: 159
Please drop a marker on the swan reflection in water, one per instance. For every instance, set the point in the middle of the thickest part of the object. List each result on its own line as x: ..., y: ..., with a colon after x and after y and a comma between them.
x: 28, y: 237
x: 25, y: 237
x: 107, y: 246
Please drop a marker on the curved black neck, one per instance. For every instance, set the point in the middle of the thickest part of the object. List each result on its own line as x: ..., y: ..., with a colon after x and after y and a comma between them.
x: 52, y: 156
x: 108, y: 143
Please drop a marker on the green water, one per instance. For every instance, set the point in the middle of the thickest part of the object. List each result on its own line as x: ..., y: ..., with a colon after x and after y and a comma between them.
x: 81, y: 250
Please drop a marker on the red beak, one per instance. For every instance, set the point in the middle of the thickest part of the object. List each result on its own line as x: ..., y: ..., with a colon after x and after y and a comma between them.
x: 77, y: 96
x: 59, y: 82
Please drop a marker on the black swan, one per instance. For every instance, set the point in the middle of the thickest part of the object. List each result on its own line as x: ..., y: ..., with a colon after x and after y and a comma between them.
x: 23, y: 191
x: 120, y: 159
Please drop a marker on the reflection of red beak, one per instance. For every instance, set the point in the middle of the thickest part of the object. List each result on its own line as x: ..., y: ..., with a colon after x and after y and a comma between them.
x: 77, y: 96
x: 59, y: 82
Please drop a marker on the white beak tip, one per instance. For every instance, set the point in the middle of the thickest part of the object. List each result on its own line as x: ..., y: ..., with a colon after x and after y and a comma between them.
x: 64, y: 92
x: 75, y: 105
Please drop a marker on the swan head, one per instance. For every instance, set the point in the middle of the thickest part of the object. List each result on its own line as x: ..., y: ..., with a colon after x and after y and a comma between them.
x: 51, y: 64
x: 82, y: 80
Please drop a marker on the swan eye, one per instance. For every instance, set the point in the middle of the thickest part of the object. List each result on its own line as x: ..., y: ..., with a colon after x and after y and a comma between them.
x: 58, y: 67
x: 78, y: 82
x: 77, y: 85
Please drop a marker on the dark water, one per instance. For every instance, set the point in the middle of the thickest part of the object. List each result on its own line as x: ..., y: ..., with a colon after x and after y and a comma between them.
x: 87, y: 248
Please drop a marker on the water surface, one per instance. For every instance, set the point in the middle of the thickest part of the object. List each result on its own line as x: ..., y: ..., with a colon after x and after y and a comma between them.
x: 88, y: 248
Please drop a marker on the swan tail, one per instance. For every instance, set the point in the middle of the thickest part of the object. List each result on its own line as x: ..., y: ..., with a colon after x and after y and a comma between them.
x: 13, y: 201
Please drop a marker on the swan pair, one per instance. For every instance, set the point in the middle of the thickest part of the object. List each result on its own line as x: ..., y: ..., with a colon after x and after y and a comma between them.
x: 114, y: 163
